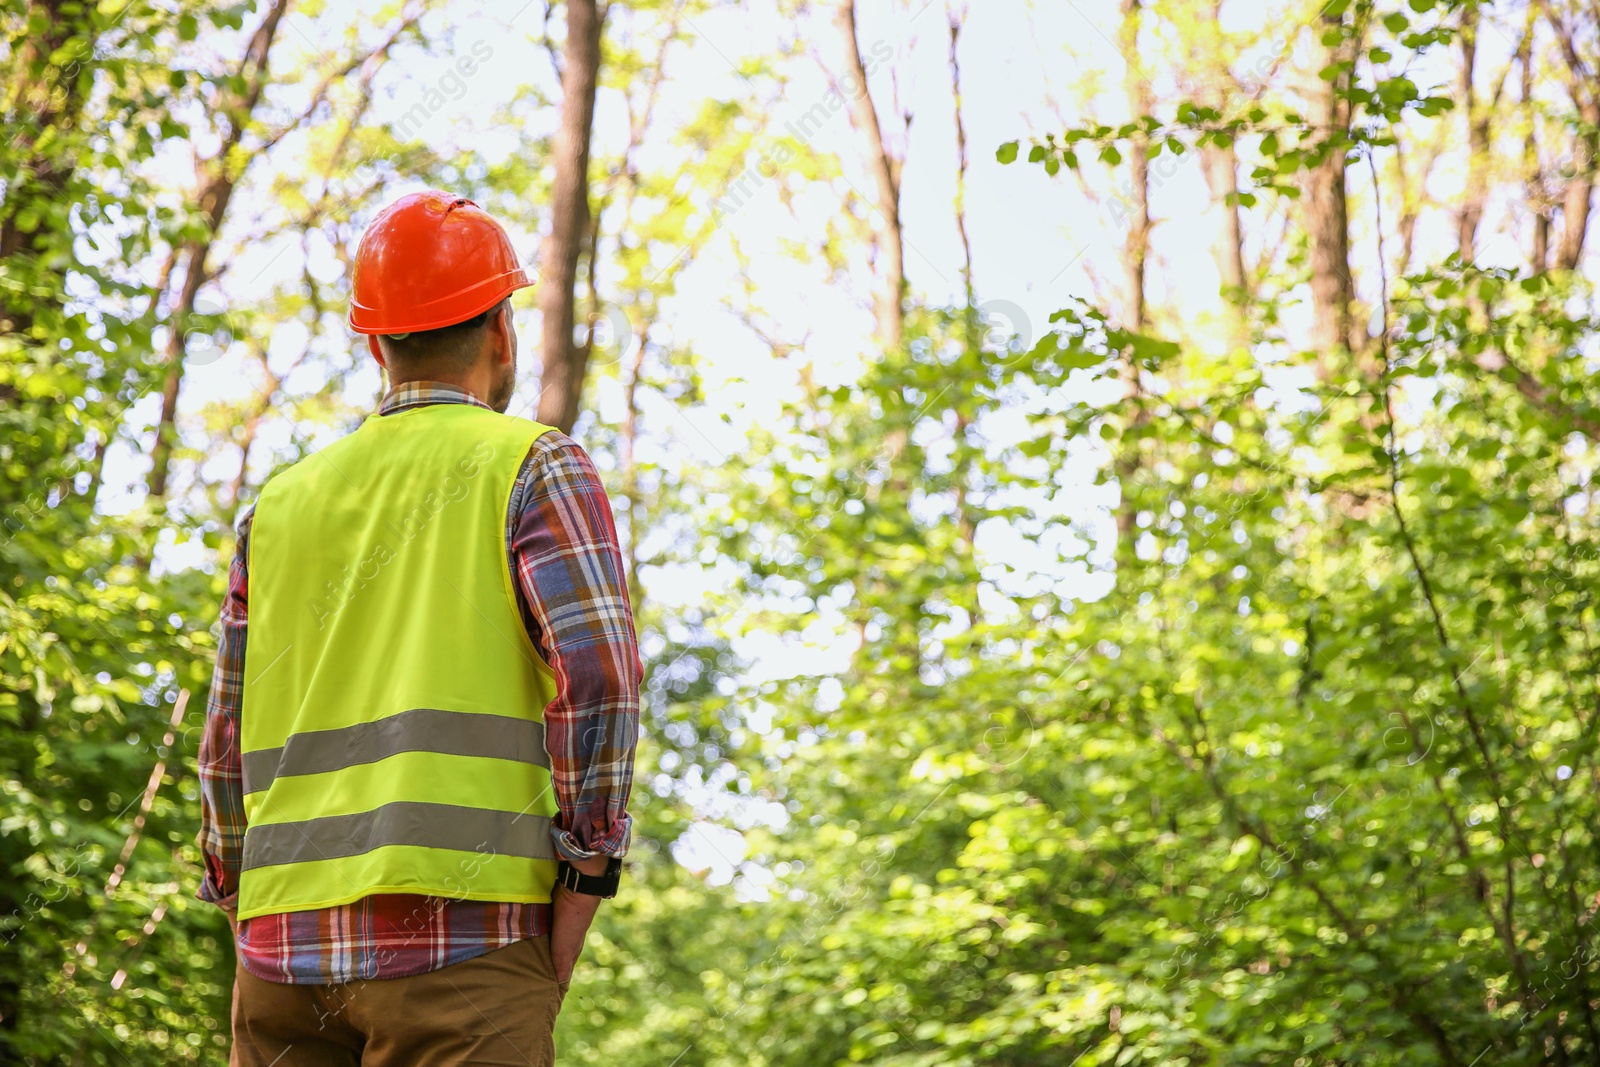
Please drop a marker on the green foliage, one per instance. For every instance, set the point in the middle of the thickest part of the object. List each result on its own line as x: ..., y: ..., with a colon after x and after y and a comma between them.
x: 1313, y: 781
x: 1379, y: 91
x: 1317, y: 776
x: 94, y: 647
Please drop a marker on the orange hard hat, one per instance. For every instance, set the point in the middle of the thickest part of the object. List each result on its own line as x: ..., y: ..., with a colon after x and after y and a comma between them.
x: 428, y: 260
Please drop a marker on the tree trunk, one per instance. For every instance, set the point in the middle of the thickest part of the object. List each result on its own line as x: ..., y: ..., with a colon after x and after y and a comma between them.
x: 1222, y: 178
x: 1579, y: 195
x: 890, y: 244
x: 176, y: 349
x: 1135, y: 250
x: 1412, y: 186
x: 1325, y: 208
x: 221, y: 177
x: 888, y: 261
x: 1470, y: 213
x: 561, y: 381
x: 961, y: 160
x: 966, y: 526
x: 1136, y: 243
x: 1533, y: 176
x: 630, y: 471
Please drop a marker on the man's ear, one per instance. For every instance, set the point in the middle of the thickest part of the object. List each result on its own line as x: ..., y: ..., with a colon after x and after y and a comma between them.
x: 376, y: 350
x: 505, y: 333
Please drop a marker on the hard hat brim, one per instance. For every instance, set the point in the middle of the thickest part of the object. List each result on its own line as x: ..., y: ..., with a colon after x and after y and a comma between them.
x: 447, y: 310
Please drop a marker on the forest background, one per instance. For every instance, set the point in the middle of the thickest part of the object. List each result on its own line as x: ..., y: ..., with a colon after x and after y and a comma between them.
x: 1107, y: 491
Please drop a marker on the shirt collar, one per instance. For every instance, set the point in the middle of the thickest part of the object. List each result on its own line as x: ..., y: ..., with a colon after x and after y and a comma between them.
x: 410, y: 395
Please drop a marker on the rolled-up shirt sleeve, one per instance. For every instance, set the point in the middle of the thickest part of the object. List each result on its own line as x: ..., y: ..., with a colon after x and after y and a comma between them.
x: 222, y: 821
x: 573, y: 585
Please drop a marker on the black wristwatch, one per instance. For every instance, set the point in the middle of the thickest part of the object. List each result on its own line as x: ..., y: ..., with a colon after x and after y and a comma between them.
x: 594, y: 885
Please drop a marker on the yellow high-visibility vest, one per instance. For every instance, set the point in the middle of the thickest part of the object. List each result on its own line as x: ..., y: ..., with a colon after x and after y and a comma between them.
x: 392, y: 725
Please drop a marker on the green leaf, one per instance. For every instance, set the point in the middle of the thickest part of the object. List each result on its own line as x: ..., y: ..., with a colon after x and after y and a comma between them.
x: 1007, y: 152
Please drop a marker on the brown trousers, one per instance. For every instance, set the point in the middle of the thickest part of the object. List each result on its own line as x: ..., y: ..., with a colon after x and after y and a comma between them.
x: 496, y: 1009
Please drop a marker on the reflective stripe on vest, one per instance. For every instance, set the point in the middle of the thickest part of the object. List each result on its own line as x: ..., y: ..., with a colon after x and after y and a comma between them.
x: 400, y: 823
x: 417, y: 730
x: 392, y: 722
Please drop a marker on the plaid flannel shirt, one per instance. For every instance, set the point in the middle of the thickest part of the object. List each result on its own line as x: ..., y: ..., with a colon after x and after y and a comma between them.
x: 573, y: 597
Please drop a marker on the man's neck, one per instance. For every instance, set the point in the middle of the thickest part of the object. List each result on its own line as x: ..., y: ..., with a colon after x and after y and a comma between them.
x: 440, y: 382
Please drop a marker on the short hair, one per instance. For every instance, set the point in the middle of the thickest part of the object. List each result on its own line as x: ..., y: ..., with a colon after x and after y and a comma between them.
x: 454, y: 346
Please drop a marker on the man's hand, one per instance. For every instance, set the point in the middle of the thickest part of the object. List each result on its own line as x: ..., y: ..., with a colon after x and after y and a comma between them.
x: 571, y: 915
